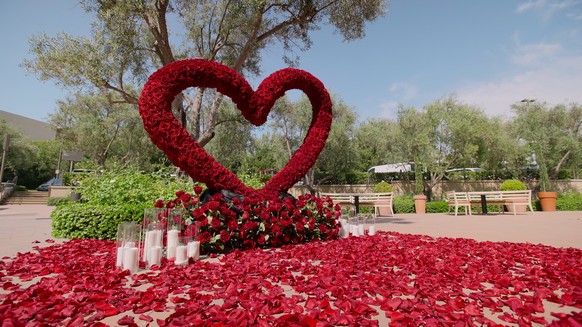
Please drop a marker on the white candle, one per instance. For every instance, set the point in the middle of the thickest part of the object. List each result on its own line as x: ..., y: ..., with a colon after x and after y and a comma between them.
x: 156, y: 238
x: 194, y: 250
x: 119, y: 261
x: 181, y: 254
x: 353, y: 229
x: 146, y: 246
x: 361, y: 230
x: 173, y: 241
x: 372, y: 230
x: 130, y: 259
x: 345, y: 230
x: 155, y: 255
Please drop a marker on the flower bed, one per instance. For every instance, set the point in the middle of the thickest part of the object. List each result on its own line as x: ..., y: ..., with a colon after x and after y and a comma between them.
x: 245, y: 223
x: 403, y: 280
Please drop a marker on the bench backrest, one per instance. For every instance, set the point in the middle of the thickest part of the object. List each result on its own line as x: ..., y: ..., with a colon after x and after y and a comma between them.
x: 517, y: 196
x: 338, y: 198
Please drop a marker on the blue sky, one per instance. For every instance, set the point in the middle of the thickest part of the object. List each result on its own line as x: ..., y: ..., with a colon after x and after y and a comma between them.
x: 489, y: 53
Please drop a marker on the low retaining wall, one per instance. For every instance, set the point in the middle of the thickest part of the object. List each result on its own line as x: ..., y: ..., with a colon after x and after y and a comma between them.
x: 407, y: 187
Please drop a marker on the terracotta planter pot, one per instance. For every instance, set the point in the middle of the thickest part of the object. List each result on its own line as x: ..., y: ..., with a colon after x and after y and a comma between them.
x: 420, y: 203
x: 548, y: 200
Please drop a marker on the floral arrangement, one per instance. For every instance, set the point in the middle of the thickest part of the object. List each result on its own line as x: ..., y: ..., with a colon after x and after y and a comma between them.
x: 245, y: 223
x: 173, y: 139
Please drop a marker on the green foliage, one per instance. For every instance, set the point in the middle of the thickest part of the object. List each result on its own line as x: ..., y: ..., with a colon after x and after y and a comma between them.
x: 383, y: 187
x: 437, y: 206
x: 569, y: 201
x: 58, y: 201
x: 79, y: 220
x: 111, y: 198
x: 123, y: 186
x: 251, y: 180
x: 20, y: 188
x: 513, y: 185
x: 403, y: 204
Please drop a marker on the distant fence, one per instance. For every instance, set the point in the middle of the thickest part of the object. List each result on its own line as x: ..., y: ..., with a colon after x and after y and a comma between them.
x: 407, y: 187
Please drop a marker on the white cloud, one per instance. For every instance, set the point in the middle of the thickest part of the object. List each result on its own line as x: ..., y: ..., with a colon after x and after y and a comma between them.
x: 547, y: 8
x: 558, y: 81
x: 535, y: 53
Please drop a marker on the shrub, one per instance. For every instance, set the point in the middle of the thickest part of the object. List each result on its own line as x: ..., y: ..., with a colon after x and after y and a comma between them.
x: 58, y: 201
x: 437, y: 206
x: 383, y: 187
x: 79, y: 220
x: 569, y: 201
x: 107, y: 198
x: 403, y: 204
x: 20, y: 188
x: 513, y: 185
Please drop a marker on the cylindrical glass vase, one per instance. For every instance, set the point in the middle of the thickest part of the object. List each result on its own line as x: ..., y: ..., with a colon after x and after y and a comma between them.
x: 128, y: 246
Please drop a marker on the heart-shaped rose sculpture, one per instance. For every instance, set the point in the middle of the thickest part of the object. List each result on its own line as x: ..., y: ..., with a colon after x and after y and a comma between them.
x: 173, y: 139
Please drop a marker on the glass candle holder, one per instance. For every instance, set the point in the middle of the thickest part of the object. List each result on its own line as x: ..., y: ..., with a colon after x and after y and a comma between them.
x: 128, y: 246
x: 353, y: 226
x: 371, y: 224
x: 191, y: 239
x: 154, y: 227
x: 174, y: 230
x: 361, y: 225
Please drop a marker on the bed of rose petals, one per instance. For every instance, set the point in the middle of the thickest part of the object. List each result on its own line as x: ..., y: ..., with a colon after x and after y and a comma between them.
x: 402, y: 280
x: 245, y: 223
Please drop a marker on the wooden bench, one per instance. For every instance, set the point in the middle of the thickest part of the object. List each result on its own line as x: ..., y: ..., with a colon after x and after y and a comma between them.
x: 345, y: 201
x: 378, y: 201
x: 510, y: 199
x: 517, y: 198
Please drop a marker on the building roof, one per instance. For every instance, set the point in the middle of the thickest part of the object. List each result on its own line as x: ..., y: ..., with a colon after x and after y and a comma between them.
x: 36, y: 130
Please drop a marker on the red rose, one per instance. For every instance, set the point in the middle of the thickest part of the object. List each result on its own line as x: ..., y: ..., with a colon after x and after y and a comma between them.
x: 186, y: 197
x: 180, y: 193
x: 261, y: 239
x: 299, y: 227
x: 215, y: 223
x: 213, y: 205
x: 159, y: 204
x: 204, y: 237
x: 224, y: 236
x: 198, y: 189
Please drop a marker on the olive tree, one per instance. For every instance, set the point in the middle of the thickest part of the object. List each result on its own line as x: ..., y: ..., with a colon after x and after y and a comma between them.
x: 130, y: 39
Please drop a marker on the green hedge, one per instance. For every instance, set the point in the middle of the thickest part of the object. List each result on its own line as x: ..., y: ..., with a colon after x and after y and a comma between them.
x: 58, y: 201
x: 82, y: 220
x: 569, y: 201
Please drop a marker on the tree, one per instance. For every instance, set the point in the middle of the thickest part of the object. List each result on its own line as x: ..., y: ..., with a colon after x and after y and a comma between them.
x: 377, y: 143
x: 130, y: 39
x: 21, y: 152
x: 100, y: 128
x: 442, y: 136
x: 552, y: 134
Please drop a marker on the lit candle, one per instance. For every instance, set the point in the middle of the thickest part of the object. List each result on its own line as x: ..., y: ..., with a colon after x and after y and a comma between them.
x: 372, y: 230
x: 130, y: 259
x: 119, y: 261
x: 181, y: 255
x: 155, y: 255
x: 194, y: 250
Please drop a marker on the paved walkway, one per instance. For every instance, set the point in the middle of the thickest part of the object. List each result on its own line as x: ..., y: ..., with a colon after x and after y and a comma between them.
x: 22, y: 225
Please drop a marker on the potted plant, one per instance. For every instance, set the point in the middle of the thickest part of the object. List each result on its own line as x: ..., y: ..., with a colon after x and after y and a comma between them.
x: 514, y: 185
x: 419, y: 197
x: 546, y: 195
x: 383, y: 187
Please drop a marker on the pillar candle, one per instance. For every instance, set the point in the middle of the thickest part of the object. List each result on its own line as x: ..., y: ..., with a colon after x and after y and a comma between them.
x: 155, y: 255
x: 372, y: 230
x: 173, y: 240
x: 119, y: 261
x: 181, y: 255
x: 130, y: 259
x: 345, y: 229
x: 361, y: 230
x: 194, y: 249
x: 146, y: 246
x: 156, y: 238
